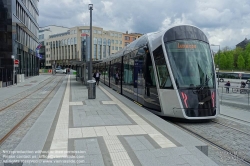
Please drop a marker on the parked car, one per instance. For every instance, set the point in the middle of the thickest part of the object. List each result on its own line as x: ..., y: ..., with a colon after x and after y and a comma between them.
x: 62, y: 71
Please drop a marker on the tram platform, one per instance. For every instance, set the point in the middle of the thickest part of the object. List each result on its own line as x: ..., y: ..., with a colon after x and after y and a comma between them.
x: 108, y: 130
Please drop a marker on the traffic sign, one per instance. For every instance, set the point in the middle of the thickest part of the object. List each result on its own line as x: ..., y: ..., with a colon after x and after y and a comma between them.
x: 16, y: 62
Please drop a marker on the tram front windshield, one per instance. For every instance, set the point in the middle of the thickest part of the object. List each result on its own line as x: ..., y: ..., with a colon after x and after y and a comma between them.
x: 191, y: 63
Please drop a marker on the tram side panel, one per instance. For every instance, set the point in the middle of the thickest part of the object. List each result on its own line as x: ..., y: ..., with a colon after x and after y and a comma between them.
x: 151, y: 96
x: 167, y: 95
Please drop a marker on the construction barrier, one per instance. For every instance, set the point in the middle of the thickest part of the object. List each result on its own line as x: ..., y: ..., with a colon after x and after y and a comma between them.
x: 45, y: 70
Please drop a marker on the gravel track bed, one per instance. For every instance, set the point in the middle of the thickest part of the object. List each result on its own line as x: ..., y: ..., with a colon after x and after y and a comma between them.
x: 15, y: 138
x: 13, y: 99
x: 236, y: 142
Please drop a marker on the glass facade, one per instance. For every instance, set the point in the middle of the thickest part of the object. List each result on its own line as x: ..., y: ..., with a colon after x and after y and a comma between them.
x: 18, y: 39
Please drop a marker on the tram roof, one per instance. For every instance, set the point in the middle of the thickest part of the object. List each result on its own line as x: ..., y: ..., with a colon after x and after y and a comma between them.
x: 132, y: 46
x: 154, y: 39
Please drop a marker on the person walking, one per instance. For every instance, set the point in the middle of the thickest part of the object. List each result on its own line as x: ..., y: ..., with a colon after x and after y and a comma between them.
x: 97, y: 77
x: 227, y: 86
x: 117, y: 77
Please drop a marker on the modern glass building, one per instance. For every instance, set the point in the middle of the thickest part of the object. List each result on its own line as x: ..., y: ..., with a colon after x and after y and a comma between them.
x: 18, y: 39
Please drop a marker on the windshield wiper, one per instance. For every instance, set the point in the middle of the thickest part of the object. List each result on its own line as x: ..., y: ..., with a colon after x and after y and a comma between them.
x: 208, y: 79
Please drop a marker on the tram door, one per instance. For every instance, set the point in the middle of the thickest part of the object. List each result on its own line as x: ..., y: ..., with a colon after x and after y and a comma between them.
x: 138, y: 79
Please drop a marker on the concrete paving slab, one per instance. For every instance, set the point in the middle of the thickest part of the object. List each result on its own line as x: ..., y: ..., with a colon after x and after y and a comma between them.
x: 117, y: 132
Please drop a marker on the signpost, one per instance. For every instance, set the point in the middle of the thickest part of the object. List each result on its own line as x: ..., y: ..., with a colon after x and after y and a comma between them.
x: 16, y: 63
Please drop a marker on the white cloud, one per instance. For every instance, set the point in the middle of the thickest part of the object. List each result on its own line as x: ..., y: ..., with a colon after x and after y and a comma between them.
x: 225, y: 22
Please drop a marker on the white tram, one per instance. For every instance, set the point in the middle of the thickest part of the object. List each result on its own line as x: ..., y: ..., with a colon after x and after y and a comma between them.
x: 171, y: 73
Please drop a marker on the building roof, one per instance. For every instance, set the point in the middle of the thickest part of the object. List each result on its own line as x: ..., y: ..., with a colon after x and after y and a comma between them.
x: 243, y: 43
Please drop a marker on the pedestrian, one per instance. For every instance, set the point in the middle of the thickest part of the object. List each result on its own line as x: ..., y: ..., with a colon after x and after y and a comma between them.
x: 97, y: 77
x: 227, y: 86
x: 68, y: 71
x: 117, y: 77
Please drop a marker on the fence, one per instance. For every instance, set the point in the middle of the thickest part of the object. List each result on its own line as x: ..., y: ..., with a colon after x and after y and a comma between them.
x: 235, y: 96
x: 6, y: 77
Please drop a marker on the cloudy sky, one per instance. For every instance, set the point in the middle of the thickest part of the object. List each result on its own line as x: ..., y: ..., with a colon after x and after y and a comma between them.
x: 225, y: 22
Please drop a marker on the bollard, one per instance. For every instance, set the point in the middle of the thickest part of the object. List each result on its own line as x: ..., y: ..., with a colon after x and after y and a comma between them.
x: 91, y: 89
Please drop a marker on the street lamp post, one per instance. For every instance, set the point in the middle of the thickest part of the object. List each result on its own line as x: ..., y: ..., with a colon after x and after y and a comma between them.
x: 90, y: 56
x: 218, y: 63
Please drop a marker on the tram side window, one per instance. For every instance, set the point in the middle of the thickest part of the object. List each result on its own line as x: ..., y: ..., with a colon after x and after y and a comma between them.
x: 161, y: 69
x: 149, y: 73
x: 126, y: 71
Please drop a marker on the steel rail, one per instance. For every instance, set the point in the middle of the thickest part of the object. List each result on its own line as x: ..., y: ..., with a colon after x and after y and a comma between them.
x: 20, y: 122
x: 243, y: 159
x: 23, y: 97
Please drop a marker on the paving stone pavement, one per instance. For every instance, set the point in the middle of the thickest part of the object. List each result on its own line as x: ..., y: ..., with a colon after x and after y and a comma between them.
x: 109, y: 130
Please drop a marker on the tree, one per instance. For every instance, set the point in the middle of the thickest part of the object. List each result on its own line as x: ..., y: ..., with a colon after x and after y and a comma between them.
x: 237, y: 52
x: 223, y: 59
x: 247, y: 56
x: 241, y: 62
x: 248, y: 62
x: 216, y: 59
x: 230, y: 60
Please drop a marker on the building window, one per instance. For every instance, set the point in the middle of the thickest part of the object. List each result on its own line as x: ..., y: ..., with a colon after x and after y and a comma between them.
x: 113, y: 47
x: 41, y: 37
x: 99, y: 32
x: 104, y: 41
x: 99, y: 51
x: 95, y: 51
x: 104, y: 51
x: 75, y: 41
x: 112, y: 41
x: 116, y: 41
x: 120, y: 42
x: 95, y: 31
x: 127, y: 38
x: 95, y: 40
x: 100, y: 41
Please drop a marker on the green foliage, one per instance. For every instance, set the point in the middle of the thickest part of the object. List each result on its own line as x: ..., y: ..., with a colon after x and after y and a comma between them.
x: 216, y: 60
x: 248, y: 62
x: 237, y: 59
x: 230, y: 60
x: 241, y: 62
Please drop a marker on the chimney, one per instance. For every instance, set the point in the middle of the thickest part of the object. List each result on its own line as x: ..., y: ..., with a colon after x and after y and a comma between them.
x: 126, y: 32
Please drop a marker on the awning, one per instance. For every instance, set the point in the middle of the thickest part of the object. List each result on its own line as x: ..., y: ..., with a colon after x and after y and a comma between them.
x: 81, y: 63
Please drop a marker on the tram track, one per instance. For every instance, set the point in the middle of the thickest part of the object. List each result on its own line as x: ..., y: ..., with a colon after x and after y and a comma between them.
x: 226, y: 151
x: 2, y: 109
x: 225, y: 125
x: 15, y: 127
